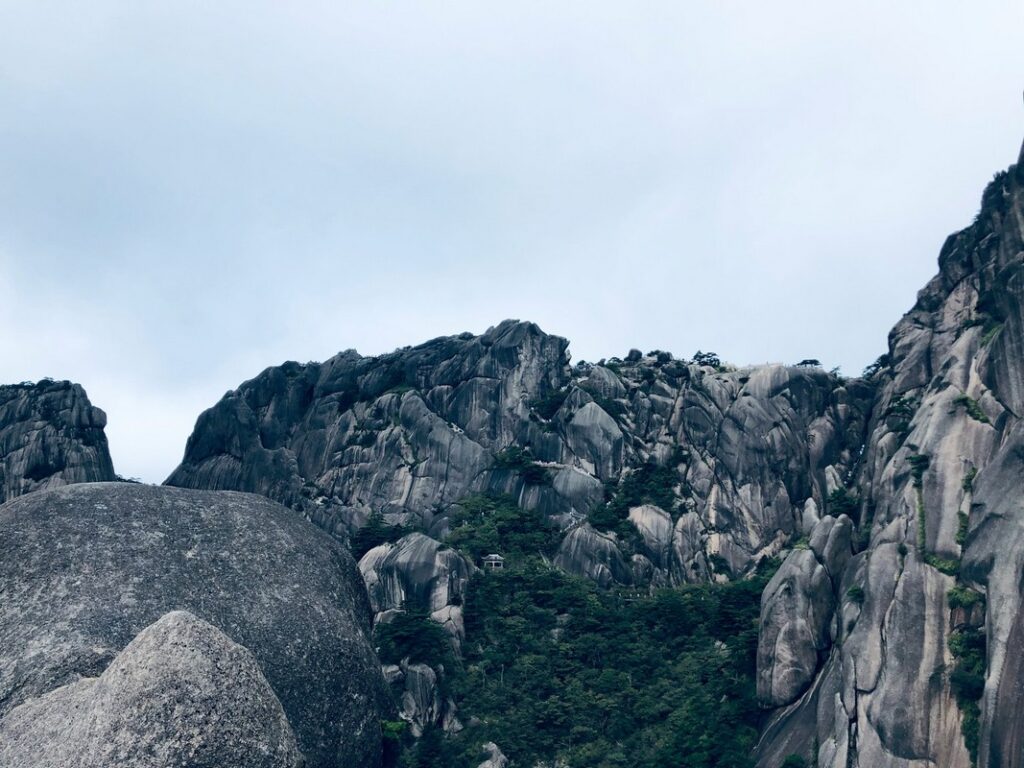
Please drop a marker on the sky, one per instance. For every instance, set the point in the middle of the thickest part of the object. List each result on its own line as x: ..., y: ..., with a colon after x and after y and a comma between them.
x: 191, y: 191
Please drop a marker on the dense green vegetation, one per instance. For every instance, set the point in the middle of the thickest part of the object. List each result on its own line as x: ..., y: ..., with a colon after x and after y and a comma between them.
x: 521, y: 460
x: 968, y: 682
x: 649, y: 483
x: 973, y: 408
x: 842, y: 502
x: 556, y: 669
x: 374, y: 533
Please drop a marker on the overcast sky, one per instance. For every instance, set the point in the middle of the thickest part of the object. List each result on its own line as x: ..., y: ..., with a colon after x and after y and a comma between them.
x: 192, y: 191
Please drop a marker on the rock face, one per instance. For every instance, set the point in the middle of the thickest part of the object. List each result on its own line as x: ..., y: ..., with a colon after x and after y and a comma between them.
x: 743, y: 453
x: 417, y: 573
x: 180, y: 693
x: 418, y: 691
x: 85, y: 568
x: 50, y: 435
x: 586, y: 552
x: 939, y: 493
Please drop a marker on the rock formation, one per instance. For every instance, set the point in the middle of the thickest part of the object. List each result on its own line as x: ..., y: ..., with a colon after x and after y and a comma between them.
x: 85, y: 568
x: 739, y: 458
x: 50, y: 435
x: 921, y: 665
x: 180, y: 693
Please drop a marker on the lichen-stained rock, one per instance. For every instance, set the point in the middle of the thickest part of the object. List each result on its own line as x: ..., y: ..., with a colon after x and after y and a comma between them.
x: 796, y: 611
x: 50, y: 435
x: 416, y: 573
x: 180, y: 693
x: 85, y: 568
x: 589, y: 553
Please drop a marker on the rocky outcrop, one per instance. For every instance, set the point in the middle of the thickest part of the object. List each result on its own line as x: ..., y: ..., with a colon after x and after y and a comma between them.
x: 742, y: 454
x: 939, y: 497
x: 421, y: 704
x: 594, y: 555
x: 415, y: 572
x: 85, y: 568
x: 50, y: 435
x: 495, y: 757
x: 797, y: 613
x: 180, y: 693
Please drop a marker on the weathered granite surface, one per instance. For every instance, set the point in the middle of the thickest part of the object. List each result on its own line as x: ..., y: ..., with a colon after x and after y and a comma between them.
x: 180, y: 693
x: 85, y: 568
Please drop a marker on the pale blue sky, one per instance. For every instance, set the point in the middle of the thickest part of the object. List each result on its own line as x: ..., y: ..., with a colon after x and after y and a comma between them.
x: 192, y: 191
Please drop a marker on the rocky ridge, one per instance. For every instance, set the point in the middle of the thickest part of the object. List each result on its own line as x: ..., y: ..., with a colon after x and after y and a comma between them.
x: 739, y: 459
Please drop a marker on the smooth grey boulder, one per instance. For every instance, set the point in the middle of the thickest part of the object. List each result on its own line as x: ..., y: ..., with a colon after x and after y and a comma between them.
x: 50, y: 435
x: 495, y: 757
x: 85, y: 568
x: 180, y: 693
x: 655, y: 527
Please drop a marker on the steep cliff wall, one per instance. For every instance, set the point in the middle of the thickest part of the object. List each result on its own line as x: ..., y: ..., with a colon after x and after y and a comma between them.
x: 919, y: 666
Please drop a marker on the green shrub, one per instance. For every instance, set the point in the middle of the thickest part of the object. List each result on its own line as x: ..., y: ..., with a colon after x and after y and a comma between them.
x: 963, y: 597
x: 855, y: 595
x: 520, y: 460
x: 968, y: 482
x: 413, y: 636
x: 482, y: 524
x: 374, y: 533
x: 972, y: 407
x: 968, y: 682
x: 649, y: 483
x: 547, y: 405
x: 947, y: 565
x: 962, y: 528
x: 918, y: 464
x: 842, y: 502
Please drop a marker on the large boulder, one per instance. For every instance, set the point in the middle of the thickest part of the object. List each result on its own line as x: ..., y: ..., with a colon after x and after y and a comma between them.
x: 180, y: 693
x: 50, y: 435
x: 84, y: 568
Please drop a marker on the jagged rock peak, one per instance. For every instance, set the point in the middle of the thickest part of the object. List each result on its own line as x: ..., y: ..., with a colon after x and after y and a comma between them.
x: 50, y: 435
x: 736, y: 459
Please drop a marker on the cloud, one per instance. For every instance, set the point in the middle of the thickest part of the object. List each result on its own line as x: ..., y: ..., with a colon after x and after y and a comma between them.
x: 190, y: 193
